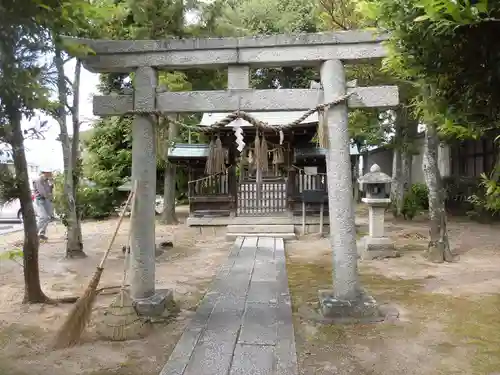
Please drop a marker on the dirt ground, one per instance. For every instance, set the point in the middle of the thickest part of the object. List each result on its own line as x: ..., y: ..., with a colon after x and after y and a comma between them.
x: 449, y: 313
x: 26, y: 331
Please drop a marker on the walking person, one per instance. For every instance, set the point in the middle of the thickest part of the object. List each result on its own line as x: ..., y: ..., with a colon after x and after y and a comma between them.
x: 43, y: 202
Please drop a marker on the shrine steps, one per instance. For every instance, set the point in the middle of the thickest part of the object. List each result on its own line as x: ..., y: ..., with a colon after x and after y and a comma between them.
x: 285, y: 231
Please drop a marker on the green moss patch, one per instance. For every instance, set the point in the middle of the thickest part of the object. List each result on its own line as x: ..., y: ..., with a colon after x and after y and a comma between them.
x: 472, y: 326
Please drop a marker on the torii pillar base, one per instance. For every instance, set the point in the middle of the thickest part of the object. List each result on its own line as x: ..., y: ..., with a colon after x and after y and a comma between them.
x: 363, y: 309
x: 159, y: 304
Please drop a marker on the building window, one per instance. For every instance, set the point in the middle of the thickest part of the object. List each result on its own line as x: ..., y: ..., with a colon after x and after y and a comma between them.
x: 471, y: 158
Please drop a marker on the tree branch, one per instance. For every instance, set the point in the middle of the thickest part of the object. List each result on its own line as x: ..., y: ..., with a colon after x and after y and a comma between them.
x: 329, y: 9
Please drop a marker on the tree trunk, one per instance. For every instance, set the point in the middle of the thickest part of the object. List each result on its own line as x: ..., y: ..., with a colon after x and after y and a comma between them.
x: 410, y: 133
x: 397, y: 185
x: 74, y: 246
x: 168, y: 215
x: 32, y: 289
x: 438, y: 249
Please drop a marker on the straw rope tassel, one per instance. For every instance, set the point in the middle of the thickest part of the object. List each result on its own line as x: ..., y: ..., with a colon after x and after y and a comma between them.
x: 264, y: 165
x: 257, y: 156
x: 209, y: 166
x: 323, y: 128
x: 219, y: 158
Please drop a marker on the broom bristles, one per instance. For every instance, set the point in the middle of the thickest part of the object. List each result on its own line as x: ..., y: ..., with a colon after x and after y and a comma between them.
x: 71, y: 331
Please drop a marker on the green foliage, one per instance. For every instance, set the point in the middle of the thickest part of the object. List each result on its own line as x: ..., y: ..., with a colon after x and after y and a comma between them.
x: 251, y: 17
x: 109, y: 151
x: 415, y: 200
x: 14, y: 255
x: 93, y: 202
x: 445, y: 49
x: 9, y: 189
x: 366, y: 128
x: 421, y: 192
x: 490, y: 197
x: 411, y: 206
x: 108, y: 164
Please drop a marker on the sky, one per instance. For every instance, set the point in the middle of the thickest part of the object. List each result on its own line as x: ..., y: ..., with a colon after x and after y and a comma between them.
x: 47, y: 153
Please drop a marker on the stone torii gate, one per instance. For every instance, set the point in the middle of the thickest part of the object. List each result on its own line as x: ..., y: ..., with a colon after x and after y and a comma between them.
x: 327, y: 51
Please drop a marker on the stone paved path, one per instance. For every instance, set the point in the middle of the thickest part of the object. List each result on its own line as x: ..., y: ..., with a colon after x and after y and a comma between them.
x: 243, y: 326
x: 6, y: 228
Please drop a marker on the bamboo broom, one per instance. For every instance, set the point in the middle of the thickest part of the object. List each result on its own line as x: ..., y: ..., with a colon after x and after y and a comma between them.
x: 123, y: 329
x: 71, y: 331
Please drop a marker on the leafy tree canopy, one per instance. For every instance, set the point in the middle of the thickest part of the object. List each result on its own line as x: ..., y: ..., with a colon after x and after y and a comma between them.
x: 447, y: 49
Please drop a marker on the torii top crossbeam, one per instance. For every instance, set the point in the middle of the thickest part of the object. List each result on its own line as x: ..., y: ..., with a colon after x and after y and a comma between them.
x: 259, y: 51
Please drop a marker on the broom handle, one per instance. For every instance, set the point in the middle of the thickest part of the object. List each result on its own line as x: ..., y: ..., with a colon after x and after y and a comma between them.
x: 122, y: 215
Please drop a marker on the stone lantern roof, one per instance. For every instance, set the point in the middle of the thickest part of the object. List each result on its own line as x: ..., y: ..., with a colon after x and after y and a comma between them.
x: 375, y: 176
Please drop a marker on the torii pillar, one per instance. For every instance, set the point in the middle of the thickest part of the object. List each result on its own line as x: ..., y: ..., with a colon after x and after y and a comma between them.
x: 147, y: 300
x: 346, y: 301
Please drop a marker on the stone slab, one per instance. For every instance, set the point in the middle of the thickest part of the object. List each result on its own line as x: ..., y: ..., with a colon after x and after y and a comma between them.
x: 179, y: 359
x: 257, y: 51
x: 250, y: 242
x: 222, y: 331
x: 286, y: 236
x: 253, y: 360
x: 286, y: 358
x: 204, y: 310
x: 248, y: 100
x: 259, y: 324
x: 254, y: 57
x: 370, y: 248
x: 106, y: 46
x: 265, y: 271
x: 263, y: 292
x: 242, y: 325
x: 258, y: 228
x: 208, y: 360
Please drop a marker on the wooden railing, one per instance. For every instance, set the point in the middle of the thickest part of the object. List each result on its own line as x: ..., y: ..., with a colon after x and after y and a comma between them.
x: 216, y: 184
x: 302, y: 181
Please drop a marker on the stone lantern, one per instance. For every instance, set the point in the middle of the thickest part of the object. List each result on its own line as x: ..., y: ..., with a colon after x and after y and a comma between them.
x: 376, y: 185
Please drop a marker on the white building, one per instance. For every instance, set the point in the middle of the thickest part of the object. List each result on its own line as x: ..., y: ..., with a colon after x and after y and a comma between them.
x: 12, y: 210
x: 6, y: 161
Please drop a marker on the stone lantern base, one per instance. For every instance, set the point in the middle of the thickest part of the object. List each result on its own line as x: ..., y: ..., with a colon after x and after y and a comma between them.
x: 370, y: 248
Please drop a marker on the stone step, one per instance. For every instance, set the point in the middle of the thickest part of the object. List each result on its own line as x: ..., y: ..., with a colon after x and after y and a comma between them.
x: 285, y: 236
x: 249, y: 228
